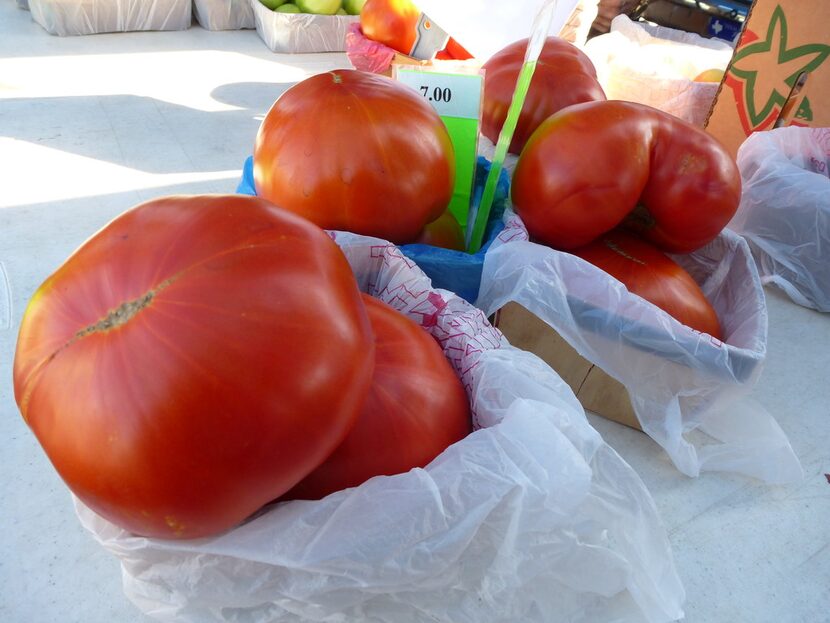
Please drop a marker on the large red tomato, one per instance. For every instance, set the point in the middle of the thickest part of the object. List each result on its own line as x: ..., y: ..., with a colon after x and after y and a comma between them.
x: 586, y: 169
x: 354, y: 151
x: 193, y: 360
x: 564, y: 75
x: 416, y: 408
x: 650, y: 274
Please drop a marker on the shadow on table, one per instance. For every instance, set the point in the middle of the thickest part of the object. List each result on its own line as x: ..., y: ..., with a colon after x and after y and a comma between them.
x: 144, y: 133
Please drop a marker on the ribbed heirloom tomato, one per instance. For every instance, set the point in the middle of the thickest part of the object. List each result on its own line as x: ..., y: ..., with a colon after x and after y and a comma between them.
x: 592, y: 166
x: 650, y: 274
x: 192, y: 361
x: 564, y: 76
x: 415, y: 409
x: 354, y: 151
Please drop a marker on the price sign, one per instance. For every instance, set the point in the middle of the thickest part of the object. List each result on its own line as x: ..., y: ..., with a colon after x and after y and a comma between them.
x: 456, y: 97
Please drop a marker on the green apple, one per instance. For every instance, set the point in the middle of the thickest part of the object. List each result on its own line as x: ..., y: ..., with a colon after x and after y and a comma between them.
x: 353, y: 7
x: 319, y: 7
x: 288, y: 8
x: 273, y: 4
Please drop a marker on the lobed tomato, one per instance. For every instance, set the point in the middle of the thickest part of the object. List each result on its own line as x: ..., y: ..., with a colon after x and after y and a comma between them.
x: 193, y: 360
x: 355, y: 151
x: 415, y: 409
x: 593, y: 166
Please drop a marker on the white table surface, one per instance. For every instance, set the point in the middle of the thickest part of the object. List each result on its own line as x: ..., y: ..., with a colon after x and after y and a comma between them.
x: 90, y: 126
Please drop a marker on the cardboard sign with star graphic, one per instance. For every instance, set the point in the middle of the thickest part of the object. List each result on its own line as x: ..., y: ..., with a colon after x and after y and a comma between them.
x: 779, y: 74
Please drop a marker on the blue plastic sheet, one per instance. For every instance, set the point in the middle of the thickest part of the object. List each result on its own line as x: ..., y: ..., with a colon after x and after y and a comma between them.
x: 456, y: 271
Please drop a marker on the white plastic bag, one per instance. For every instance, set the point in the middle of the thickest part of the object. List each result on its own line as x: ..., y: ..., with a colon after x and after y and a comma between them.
x: 687, y: 389
x: 301, y: 33
x: 656, y: 66
x: 785, y: 210
x: 484, y: 27
x: 88, y: 17
x: 531, y: 518
x: 224, y: 14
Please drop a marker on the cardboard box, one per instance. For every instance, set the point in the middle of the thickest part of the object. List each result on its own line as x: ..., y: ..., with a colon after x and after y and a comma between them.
x: 779, y: 74
x: 301, y: 33
x: 224, y: 14
x: 595, y: 389
x: 89, y: 17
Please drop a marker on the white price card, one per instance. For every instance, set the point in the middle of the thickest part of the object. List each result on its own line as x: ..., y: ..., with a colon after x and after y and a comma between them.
x: 455, y: 91
x: 452, y: 94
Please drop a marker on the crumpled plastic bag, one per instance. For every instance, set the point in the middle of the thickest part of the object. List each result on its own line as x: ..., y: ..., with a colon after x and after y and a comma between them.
x: 301, y: 33
x: 224, y: 14
x: 656, y: 66
x: 785, y: 210
x: 688, y: 390
x: 88, y: 17
x: 484, y: 27
x: 530, y: 518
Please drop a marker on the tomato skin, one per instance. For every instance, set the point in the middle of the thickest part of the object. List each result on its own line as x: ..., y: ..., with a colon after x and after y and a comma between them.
x: 564, y: 76
x: 444, y: 232
x: 391, y: 22
x: 394, y: 23
x: 217, y: 390
x: 587, y: 167
x: 650, y: 274
x: 355, y: 151
x: 415, y: 409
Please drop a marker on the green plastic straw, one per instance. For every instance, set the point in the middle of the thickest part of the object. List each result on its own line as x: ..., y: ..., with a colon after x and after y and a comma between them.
x: 541, y: 27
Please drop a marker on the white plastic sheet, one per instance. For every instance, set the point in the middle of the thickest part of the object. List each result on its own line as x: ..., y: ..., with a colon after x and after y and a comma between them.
x: 301, y: 33
x: 531, y: 518
x: 88, y: 17
x: 689, y: 390
x: 785, y: 210
x: 224, y: 14
x: 656, y: 66
x: 484, y: 27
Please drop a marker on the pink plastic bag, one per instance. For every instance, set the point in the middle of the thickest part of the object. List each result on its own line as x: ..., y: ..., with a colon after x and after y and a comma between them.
x: 365, y: 54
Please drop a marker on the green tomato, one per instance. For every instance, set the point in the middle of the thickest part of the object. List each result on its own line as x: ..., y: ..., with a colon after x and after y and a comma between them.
x: 353, y: 7
x: 288, y: 8
x: 319, y: 7
x: 272, y: 4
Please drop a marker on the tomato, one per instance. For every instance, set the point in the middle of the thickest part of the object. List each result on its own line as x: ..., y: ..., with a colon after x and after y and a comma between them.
x: 395, y: 23
x: 415, y: 409
x: 443, y: 232
x: 650, y: 274
x: 592, y: 166
x: 193, y: 360
x: 391, y: 22
x: 564, y: 76
x: 355, y: 151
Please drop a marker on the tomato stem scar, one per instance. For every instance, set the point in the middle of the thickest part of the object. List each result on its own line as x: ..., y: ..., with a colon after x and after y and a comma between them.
x: 122, y: 314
